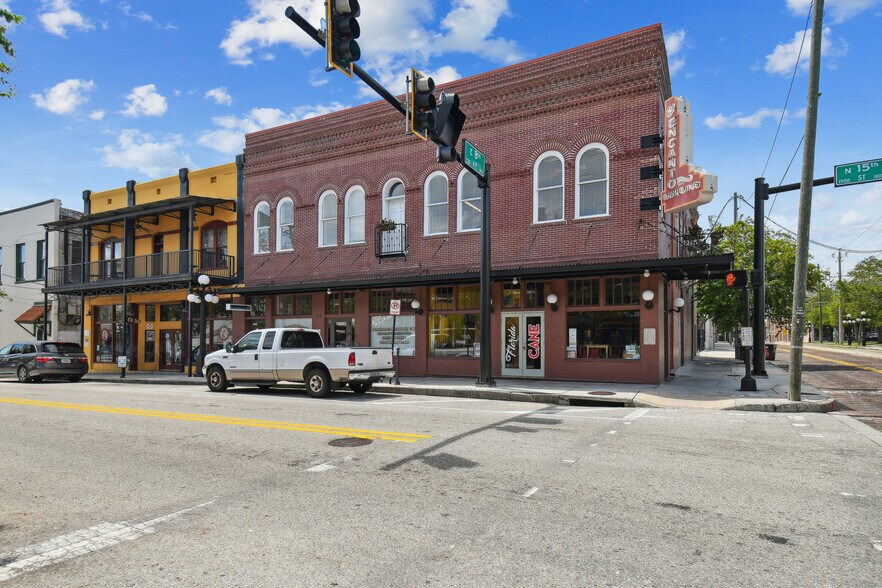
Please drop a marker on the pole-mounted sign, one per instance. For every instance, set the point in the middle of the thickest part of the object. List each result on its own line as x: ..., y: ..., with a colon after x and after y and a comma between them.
x: 861, y: 172
x: 473, y: 159
x: 686, y: 186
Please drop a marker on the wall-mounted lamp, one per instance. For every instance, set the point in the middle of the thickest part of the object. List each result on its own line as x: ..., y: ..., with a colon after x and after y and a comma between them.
x: 514, y: 281
x: 678, y: 305
x: 552, y: 302
x: 648, y: 296
x: 416, y: 306
x: 645, y: 273
x: 329, y: 291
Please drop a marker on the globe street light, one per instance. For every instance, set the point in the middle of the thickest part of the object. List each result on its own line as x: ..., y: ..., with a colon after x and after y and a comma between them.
x: 203, y: 293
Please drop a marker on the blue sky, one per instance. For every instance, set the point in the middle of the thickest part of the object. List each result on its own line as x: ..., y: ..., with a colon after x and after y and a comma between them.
x: 112, y: 90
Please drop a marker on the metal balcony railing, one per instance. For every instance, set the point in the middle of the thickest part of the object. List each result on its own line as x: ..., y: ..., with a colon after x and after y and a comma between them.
x: 166, y: 266
x: 391, y: 242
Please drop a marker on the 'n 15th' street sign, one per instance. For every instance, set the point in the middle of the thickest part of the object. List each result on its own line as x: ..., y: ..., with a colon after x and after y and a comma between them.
x: 857, y: 173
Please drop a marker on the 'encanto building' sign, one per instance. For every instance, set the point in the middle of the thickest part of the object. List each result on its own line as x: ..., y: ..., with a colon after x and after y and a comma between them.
x: 685, y: 185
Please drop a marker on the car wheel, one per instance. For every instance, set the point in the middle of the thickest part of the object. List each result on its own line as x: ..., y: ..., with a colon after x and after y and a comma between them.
x: 318, y: 383
x: 23, y: 375
x: 74, y: 379
x: 360, y: 387
x: 217, y: 379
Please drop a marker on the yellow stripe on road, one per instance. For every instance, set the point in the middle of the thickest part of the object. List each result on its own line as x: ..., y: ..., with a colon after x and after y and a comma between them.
x: 845, y: 363
x: 221, y: 420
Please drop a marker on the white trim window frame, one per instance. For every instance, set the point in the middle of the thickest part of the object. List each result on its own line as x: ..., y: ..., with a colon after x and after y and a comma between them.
x: 548, y: 188
x: 394, y: 200
x: 327, y: 220
x: 354, y: 216
x: 436, y: 199
x: 468, y: 209
x: 285, y: 225
x: 593, y: 181
x: 261, y: 228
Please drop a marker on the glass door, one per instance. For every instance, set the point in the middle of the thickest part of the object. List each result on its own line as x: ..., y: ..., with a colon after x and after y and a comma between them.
x: 523, y: 344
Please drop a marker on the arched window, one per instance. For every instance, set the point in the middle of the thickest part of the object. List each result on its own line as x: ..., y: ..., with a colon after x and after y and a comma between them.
x: 285, y: 225
x: 354, y: 207
x: 436, y: 209
x: 262, y: 228
x: 469, y: 205
x: 327, y: 232
x: 393, y: 201
x: 213, y: 243
x: 548, y: 188
x: 592, y: 181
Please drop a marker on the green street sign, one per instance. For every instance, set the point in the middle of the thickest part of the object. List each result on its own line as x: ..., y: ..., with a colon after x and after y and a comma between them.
x: 861, y: 172
x: 473, y: 159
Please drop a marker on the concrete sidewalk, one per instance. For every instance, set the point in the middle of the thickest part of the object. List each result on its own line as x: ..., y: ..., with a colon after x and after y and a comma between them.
x: 711, y: 381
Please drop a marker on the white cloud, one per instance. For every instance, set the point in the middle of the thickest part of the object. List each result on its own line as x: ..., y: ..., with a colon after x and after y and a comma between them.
x: 96, y: 115
x: 266, y: 26
x: 749, y: 121
x: 872, y: 194
x: 135, y: 150
x: 59, y: 14
x: 853, y: 218
x: 145, y: 100
x: 127, y: 9
x: 64, y: 97
x: 841, y: 10
x: 230, y: 137
x: 782, y: 59
x: 674, y: 43
x: 220, y: 96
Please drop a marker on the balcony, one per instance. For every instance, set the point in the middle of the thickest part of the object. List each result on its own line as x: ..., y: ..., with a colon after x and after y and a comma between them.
x: 390, y: 242
x: 168, y: 267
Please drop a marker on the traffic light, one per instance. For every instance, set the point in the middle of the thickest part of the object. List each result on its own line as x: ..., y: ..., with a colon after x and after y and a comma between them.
x: 343, y: 29
x: 735, y: 279
x: 422, y: 104
x: 449, y: 120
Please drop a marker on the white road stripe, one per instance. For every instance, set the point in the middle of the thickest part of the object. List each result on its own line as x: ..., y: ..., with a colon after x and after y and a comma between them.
x: 328, y: 465
x: 611, y: 432
x: 531, y: 492
x: 799, y: 424
x: 877, y: 545
x: 635, y: 415
x: 818, y: 435
x: 82, y: 542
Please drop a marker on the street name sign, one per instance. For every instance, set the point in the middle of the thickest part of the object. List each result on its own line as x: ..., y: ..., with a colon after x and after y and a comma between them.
x: 473, y: 159
x: 861, y: 172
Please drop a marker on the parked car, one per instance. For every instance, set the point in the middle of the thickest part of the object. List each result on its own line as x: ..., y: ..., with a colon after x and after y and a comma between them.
x: 31, y: 361
x: 267, y: 356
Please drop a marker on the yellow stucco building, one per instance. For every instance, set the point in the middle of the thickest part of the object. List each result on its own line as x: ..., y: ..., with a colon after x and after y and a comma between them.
x: 148, y: 244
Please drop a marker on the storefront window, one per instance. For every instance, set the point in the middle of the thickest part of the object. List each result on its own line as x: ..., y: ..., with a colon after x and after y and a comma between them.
x: 170, y: 312
x: 511, y: 295
x: 622, y: 290
x: 441, y: 298
x: 150, y: 312
x: 453, y: 335
x: 405, y: 333
x: 285, y: 304
x: 341, y: 303
x: 468, y: 297
x: 109, y: 328
x: 380, y: 301
x: 258, y: 306
x: 583, y: 292
x: 303, y: 304
x: 604, y: 334
x: 534, y: 295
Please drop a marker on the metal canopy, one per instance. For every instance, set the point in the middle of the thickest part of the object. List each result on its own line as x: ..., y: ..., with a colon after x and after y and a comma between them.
x: 109, y: 218
x: 675, y: 268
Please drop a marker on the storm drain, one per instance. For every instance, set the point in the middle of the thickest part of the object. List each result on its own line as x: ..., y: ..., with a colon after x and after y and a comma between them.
x: 592, y: 402
x: 350, y: 442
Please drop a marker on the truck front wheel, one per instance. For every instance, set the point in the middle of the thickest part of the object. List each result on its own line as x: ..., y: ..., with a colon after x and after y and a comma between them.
x: 217, y: 379
x: 318, y: 383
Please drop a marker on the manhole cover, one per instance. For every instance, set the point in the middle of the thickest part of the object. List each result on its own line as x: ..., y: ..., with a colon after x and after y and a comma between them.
x: 602, y: 393
x: 350, y: 442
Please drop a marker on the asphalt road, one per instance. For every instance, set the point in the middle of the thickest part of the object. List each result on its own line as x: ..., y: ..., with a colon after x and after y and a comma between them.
x: 132, y: 485
x: 852, y: 376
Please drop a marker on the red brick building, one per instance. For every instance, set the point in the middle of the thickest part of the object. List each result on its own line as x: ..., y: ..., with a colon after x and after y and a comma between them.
x: 563, y: 136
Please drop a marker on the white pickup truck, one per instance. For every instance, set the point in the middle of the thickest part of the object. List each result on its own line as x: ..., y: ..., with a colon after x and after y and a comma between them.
x: 266, y: 357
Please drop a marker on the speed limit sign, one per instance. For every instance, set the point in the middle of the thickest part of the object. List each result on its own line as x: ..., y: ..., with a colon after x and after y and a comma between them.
x: 394, y: 307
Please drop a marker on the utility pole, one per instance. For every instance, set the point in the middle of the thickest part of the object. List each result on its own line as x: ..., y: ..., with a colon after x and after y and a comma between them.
x: 758, y: 279
x: 805, y: 206
x: 839, y: 296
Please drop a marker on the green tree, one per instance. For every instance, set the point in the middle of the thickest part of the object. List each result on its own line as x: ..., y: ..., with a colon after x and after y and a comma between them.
x: 862, y: 291
x: 7, y: 90
x: 723, y: 305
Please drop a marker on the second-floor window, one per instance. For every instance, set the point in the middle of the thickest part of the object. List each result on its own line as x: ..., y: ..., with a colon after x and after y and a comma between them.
x: 285, y: 225
x: 262, y: 228
x: 19, y: 262
x: 327, y: 219
x: 436, y: 204
x: 592, y: 181
x: 355, y: 215
x: 469, y: 206
x: 41, y: 259
x: 548, y: 188
x: 393, y: 201
x: 214, y: 244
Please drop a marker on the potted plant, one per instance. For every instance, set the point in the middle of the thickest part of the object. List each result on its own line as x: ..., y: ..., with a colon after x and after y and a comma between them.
x: 386, y: 224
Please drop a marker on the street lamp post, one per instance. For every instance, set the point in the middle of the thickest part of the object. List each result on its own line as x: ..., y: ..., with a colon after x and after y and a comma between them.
x: 202, y: 295
x: 863, y: 327
x: 849, y: 324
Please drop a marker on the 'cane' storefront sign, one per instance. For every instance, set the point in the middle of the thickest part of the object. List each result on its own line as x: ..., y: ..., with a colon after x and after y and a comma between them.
x: 686, y: 186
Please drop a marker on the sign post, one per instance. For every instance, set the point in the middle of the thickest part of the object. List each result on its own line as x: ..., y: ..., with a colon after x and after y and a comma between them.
x: 395, y: 310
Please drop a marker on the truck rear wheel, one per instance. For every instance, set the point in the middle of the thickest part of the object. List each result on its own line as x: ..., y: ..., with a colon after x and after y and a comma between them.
x: 217, y: 379
x: 360, y: 387
x: 318, y: 382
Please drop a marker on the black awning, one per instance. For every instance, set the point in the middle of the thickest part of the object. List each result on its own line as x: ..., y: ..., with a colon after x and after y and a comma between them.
x: 170, y: 205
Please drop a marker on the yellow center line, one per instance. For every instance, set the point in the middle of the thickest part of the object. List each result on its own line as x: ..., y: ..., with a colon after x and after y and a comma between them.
x: 845, y: 363
x: 221, y: 420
